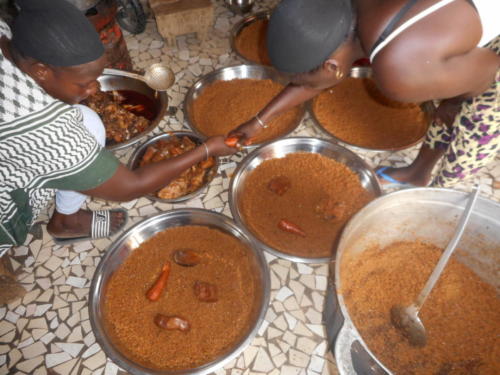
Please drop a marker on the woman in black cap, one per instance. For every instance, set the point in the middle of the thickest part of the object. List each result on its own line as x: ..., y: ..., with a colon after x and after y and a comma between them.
x: 419, y: 50
x: 47, y: 142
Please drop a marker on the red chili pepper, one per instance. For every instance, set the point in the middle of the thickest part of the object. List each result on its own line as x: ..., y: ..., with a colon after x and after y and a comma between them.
x: 154, y: 292
x: 289, y: 227
x: 232, y: 141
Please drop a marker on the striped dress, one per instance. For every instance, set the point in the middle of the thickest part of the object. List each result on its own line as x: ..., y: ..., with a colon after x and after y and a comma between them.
x: 43, y: 147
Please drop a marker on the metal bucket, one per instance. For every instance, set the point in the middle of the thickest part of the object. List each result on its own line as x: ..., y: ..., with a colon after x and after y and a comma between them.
x: 428, y: 214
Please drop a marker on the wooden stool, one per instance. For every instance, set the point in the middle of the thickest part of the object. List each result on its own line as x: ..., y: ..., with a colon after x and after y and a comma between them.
x: 179, y: 17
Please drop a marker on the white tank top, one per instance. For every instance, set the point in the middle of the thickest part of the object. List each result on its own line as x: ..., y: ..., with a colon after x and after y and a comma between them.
x: 488, y: 11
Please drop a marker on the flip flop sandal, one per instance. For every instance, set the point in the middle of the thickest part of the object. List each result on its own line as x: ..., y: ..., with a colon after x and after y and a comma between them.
x: 100, y: 227
x: 394, y: 184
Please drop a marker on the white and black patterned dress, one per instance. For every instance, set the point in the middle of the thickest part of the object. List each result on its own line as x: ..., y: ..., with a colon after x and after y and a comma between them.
x: 43, y: 146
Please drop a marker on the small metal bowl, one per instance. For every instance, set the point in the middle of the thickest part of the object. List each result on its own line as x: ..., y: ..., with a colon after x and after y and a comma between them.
x: 366, y: 72
x: 114, y: 79
x: 281, y: 148
x: 240, y: 6
x: 124, y: 245
x: 238, y: 28
x: 228, y: 74
x: 137, y: 155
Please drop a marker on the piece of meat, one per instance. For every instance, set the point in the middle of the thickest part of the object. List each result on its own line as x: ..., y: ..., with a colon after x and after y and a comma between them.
x: 191, y: 179
x: 172, y: 322
x: 205, y: 292
x: 328, y: 209
x: 120, y: 124
x: 279, y: 185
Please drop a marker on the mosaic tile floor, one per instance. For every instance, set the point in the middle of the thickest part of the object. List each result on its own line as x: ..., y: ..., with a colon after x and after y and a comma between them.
x: 48, y: 331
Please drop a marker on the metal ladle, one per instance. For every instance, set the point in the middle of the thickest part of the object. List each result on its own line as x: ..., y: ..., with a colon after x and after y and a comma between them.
x: 406, y: 318
x: 157, y: 76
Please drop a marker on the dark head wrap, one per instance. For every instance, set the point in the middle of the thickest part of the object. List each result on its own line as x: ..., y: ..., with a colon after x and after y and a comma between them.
x: 302, y: 34
x: 55, y: 32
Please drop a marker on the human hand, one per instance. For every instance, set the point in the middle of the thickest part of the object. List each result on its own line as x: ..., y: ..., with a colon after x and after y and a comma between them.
x: 244, y: 133
x: 217, y: 147
x: 447, y: 111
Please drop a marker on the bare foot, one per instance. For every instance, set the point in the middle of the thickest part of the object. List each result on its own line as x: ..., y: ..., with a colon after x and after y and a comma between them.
x: 405, y: 175
x: 78, y: 224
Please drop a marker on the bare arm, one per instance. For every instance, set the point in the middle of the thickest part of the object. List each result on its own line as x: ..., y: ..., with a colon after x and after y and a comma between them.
x: 291, y: 96
x: 436, y: 58
x: 464, y: 76
x: 128, y: 184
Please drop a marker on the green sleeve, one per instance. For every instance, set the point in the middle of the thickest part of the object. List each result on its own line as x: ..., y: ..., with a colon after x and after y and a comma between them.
x: 97, y: 172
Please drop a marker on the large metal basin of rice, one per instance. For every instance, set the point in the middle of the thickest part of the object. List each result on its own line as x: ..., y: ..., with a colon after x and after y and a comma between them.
x: 228, y: 74
x: 115, y: 79
x: 427, y: 214
x: 238, y: 28
x: 123, y: 246
x: 281, y: 148
x: 366, y: 72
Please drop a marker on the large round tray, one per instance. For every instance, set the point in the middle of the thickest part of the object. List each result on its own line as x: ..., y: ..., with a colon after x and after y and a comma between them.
x: 124, y: 245
x: 137, y: 155
x: 228, y: 74
x: 114, y: 79
x: 281, y: 148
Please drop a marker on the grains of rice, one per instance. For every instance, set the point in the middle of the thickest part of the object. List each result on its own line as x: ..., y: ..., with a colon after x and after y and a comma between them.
x: 357, y: 113
x: 223, y: 105
x: 313, y: 179
x: 215, y: 326
x: 461, y: 315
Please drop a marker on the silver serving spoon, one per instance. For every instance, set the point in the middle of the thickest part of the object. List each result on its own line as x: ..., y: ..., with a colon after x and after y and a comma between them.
x: 157, y: 76
x: 406, y: 318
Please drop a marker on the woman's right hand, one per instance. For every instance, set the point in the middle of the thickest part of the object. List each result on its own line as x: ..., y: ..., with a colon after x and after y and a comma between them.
x: 217, y: 147
x: 246, y: 132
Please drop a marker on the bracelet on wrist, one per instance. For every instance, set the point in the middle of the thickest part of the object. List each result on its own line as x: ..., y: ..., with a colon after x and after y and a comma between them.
x: 207, y: 154
x: 259, y: 120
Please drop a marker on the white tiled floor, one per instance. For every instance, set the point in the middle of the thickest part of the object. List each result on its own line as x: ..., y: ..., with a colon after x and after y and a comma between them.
x: 48, y: 331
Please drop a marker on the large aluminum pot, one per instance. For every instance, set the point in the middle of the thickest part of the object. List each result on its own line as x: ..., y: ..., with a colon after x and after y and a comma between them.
x: 131, y: 240
x: 428, y: 214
